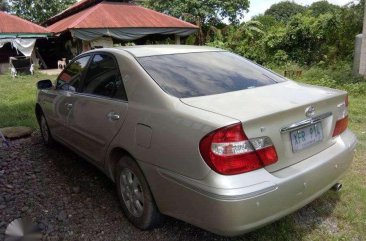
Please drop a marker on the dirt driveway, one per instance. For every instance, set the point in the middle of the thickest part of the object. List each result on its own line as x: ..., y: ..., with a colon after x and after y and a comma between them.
x: 72, y: 200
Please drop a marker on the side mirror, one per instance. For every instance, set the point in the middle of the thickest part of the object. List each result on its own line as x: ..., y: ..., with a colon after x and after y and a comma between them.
x: 44, y: 84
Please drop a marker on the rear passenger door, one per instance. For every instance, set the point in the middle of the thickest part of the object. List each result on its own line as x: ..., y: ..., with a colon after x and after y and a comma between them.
x: 99, y: 109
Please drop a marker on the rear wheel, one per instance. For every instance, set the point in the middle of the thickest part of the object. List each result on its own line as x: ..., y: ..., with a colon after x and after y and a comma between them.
x: 45, y: 132
x: 135, y: 196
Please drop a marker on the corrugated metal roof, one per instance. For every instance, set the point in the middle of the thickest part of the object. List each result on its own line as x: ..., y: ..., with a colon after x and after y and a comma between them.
x: 118, y: 15
x: 10, y: 24
x: 76, y: 7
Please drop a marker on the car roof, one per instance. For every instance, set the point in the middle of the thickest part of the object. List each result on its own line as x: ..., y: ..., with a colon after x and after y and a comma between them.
x: 153, y: 50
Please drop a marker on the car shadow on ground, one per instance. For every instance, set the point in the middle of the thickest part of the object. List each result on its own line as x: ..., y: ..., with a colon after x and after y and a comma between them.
x: 79, y: 202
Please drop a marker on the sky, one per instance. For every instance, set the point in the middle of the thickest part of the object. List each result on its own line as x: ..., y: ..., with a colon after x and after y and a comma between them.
x: 260, y: 6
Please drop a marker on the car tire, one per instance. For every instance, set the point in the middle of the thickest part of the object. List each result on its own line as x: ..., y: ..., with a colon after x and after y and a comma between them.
x: 45, y: 132
x: 133, y: 191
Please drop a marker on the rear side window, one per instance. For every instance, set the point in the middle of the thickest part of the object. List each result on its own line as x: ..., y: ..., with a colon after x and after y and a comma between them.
x: 103, y: 78
x: 70, y: 78
x: 206, y: 73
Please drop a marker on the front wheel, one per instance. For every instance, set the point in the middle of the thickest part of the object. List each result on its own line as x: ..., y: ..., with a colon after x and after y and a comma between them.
x: 135, y: 196
x: 45, y: 132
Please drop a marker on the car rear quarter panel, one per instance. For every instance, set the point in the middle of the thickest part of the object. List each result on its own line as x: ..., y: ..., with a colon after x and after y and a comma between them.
x: 233, y: 205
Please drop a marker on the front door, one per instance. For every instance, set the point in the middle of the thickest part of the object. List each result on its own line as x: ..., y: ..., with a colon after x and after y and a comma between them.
x: 68, y: 83
x: 99, y: 109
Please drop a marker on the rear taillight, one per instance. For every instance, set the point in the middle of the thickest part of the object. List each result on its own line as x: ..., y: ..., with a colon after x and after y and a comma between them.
x: 342, y: 118
x: 228, y: 151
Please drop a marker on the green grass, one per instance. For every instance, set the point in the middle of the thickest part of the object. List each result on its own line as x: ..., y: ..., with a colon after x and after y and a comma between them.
x: 334, y: 216
x: 17, y: 100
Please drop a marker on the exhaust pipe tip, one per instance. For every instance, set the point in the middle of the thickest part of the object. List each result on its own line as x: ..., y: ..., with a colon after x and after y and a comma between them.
x: 337, y: 187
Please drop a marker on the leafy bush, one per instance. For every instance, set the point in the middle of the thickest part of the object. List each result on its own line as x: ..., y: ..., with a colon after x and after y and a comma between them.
x: 320, y: 35
x: 337, y: 76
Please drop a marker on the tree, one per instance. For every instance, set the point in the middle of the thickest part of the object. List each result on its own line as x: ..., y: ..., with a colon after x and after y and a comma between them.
x: 4, y: 6
x: 38, y: 10
x: 267, y: 21
x: 248, y: 30
x: 244, y: 39
x: 351, y: 25
x: 201, y: 12
x: 283, y: 11
x: 323, y: 7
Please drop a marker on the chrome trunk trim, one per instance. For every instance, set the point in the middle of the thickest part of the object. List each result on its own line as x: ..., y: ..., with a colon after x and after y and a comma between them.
x: 307, y: 122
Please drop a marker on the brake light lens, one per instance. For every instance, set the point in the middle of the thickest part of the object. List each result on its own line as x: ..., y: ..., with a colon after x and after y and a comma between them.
x: 342, y: 121
x: 228, y: 151
x: 341, y: 126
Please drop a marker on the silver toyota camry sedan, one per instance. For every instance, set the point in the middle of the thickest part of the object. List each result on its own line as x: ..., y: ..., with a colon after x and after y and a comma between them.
x: 199, y: 134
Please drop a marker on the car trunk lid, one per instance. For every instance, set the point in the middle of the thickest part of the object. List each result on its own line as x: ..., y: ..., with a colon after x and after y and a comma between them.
x: 269, y: 110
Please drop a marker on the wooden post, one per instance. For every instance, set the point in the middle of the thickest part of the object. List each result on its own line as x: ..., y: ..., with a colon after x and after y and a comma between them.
x: 177, y: 39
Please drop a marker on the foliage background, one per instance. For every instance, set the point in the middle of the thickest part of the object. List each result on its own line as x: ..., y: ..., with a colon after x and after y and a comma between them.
x: 36, y: 11
x: 321, y: 34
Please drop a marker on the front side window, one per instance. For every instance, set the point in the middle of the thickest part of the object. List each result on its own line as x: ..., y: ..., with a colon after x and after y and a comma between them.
x: 70, y: 78
x: 206, y: 73
x: 103, y: 78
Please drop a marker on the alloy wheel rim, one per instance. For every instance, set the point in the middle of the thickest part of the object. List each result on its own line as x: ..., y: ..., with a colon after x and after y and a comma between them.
x: 132, y: 192
x: 44, y: 129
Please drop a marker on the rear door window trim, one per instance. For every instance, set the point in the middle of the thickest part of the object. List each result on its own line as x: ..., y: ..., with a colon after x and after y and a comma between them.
x: 119, y: 72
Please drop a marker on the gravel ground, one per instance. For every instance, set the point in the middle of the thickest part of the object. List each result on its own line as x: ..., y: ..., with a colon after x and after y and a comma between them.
x: 70, y: 199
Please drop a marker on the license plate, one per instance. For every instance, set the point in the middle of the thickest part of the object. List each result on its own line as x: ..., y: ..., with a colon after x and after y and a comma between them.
x: 306, y: 137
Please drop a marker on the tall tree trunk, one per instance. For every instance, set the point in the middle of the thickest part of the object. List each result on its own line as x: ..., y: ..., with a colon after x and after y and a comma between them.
x: 200, y: 34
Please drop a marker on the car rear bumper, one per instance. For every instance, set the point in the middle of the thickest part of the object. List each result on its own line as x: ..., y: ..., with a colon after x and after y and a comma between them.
x: 232, y: 211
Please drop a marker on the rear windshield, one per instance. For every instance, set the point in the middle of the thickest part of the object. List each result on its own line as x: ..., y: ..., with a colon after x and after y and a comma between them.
x: 207, y: 73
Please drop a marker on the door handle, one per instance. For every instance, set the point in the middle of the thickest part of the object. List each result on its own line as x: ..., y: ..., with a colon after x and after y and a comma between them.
x: 113, y: 116
x: 68, y: 106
